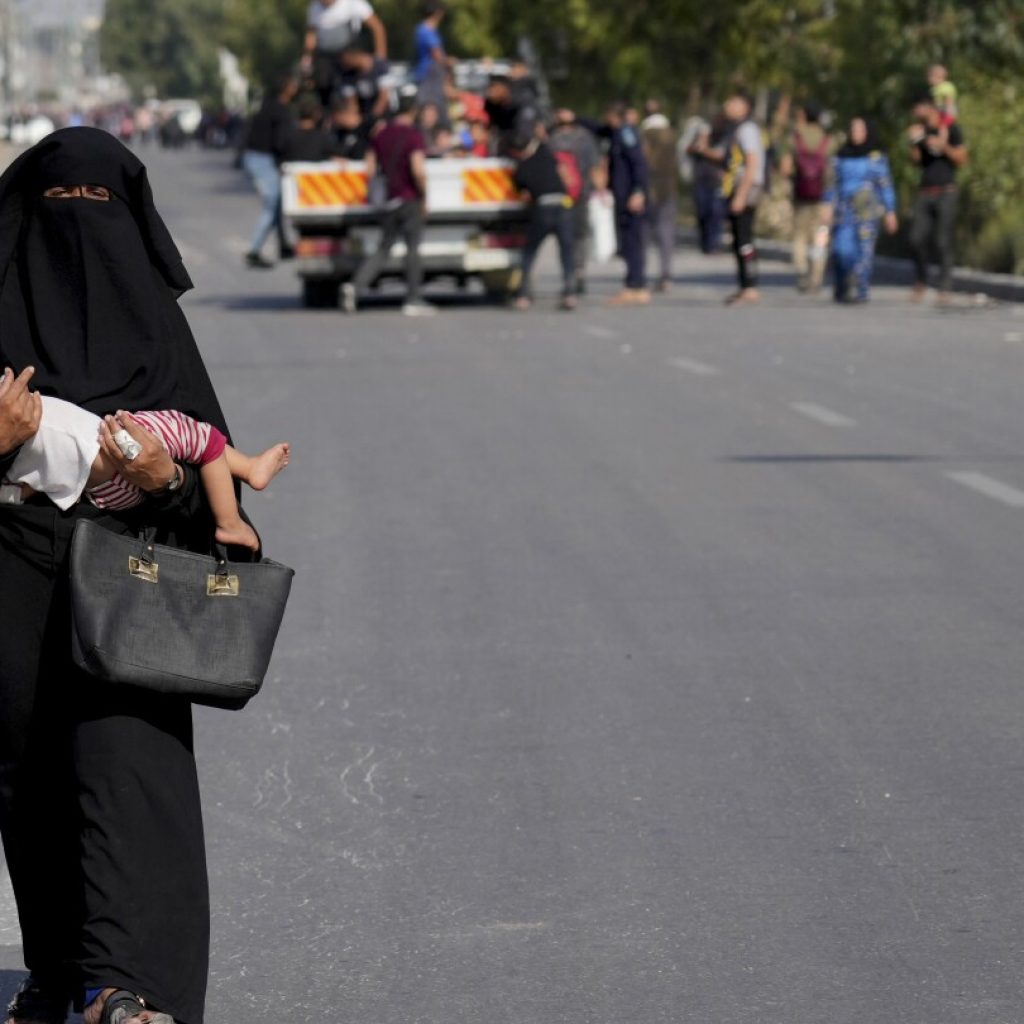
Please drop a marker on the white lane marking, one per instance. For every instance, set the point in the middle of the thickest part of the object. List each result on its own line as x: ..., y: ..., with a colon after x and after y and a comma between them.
x: 990, y: 487
x: 820, y: 414
x: 10, y: 932
x: 598, y: 332
x: 698, y: 369
x: 1013, y: 336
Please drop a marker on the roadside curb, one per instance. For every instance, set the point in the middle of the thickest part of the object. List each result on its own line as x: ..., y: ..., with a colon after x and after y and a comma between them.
x: 890, y: 270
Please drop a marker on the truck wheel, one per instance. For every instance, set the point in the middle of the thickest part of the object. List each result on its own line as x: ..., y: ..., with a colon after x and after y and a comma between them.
x: 500, y: 284
x: 319, y: 294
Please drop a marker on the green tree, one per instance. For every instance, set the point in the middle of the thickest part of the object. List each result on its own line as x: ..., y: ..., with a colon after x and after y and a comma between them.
x: 266, y: 34
x: 166, y: 45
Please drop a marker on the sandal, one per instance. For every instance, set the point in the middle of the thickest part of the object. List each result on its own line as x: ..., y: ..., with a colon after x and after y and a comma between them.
x: 38, y: 1003
x: 122, y: 1006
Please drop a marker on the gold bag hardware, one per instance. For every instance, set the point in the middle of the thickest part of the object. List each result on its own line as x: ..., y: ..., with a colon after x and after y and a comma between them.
x: 222, y: 584
x: 142, y: 569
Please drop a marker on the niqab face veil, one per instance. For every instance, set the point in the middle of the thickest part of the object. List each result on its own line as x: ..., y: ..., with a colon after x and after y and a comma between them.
x: 89, y: 289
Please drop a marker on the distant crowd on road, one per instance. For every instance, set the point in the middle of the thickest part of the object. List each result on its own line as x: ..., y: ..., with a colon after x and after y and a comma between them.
x: 340, y: 106
x: 624, y: 171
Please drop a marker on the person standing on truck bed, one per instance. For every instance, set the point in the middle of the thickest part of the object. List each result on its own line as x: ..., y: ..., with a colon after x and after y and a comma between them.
x: 350, y: 129
x: 332, y: 30
x: 510, y: 110
x: 269, y: 133
x: 432, y: 62
x: 311, y: 142
x: 399, y: 153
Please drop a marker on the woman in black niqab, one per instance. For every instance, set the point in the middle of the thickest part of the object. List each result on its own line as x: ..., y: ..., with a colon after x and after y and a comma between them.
x: 99, y: 800
x: 88, y: 289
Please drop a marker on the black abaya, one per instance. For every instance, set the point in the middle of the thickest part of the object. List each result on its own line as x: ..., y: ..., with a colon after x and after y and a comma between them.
x: 99, y: 801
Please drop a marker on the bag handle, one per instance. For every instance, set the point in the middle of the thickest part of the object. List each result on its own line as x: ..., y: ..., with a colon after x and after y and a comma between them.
x: 143, y: 566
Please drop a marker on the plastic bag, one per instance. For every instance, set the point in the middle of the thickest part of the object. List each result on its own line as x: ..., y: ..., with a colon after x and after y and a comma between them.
x: 601, y: 211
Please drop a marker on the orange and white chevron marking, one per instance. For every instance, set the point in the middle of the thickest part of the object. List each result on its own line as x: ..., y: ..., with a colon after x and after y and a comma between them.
x: 490, y: 185
x: 331, y: 188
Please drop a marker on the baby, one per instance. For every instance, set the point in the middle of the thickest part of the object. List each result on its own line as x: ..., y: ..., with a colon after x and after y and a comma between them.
x: 65, y: 461
x: 944, y: 93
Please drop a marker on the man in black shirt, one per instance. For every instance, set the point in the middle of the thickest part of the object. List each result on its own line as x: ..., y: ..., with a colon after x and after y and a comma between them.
x: 538, y: 176
x: 310, y: 141
x: 511, y: 110
x: 351, y: 131
x: 939, y: 150
x: 269, y: 133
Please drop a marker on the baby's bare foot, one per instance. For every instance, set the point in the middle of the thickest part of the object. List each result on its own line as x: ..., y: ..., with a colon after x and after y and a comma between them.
x: 239, y: 534
x: 263, y: 468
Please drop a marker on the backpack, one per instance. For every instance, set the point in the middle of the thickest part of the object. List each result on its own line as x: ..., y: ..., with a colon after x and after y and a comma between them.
x: 569, y: 172
x: 811, y: 165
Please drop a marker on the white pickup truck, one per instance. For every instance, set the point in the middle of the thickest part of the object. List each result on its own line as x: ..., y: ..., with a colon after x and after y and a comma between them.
x: 475, y: 225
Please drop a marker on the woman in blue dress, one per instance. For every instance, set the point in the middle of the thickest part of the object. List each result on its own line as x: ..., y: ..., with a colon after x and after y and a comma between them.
x: 860, y: 196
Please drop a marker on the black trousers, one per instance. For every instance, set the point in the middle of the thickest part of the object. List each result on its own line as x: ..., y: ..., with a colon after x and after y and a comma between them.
x: 406, y: 222
x: 544, y: 221
x: 743, y: 247
x: 99, y: 800
x: 934, y: 223
x: 633, y: 248
x: 581, y: 236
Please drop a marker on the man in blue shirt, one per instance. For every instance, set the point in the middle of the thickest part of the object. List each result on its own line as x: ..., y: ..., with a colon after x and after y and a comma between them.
x: 431, y: 60
x: 627, y: 173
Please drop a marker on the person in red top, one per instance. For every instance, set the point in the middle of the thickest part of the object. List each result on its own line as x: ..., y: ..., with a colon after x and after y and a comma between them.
x: 398, y: 151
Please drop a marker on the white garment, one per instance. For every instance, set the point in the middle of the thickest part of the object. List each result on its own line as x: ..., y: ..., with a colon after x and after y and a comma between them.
x: 338, y: 25
x: 58, y: 460
x: 748, y: 138
x: 654, y: 121
x: 601, y: 215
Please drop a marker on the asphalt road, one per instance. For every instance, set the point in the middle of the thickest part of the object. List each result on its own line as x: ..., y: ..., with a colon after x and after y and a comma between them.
x: 643, y: 666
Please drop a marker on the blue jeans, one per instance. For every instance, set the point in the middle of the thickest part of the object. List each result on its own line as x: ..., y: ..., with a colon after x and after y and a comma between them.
x: 711, y: 213
x: 263, y: 172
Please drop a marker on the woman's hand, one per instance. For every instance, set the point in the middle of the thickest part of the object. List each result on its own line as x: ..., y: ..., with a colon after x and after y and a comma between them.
x: 152, y: 469
x: 21, y: 410
x: 892, y: 223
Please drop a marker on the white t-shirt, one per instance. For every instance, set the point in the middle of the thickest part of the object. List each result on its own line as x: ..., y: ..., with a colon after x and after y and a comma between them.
x: 337, y: 25
x: 748, y: 138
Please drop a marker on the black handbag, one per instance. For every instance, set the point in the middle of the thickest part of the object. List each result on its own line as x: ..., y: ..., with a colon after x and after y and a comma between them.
x: 196, y: 626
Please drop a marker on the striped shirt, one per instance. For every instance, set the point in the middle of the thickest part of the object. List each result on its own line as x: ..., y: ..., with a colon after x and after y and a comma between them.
x: 186, y: 440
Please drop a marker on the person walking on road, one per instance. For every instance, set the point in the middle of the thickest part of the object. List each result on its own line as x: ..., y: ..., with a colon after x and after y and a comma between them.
x: 99, y: 798
x: 743, y: 186
x: 806, y: 161
x: 398, y: 152
x: 660, y: 142
x: 939, y: 150
x: 628, y: 178
x: 860, y: 195
x: 270, y: 133
x: 575, y: 145
x: 537, y: 175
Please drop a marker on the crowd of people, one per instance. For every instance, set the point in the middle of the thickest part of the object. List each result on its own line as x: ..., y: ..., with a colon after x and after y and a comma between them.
x: 335, y: 105
x: 839, y: 186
